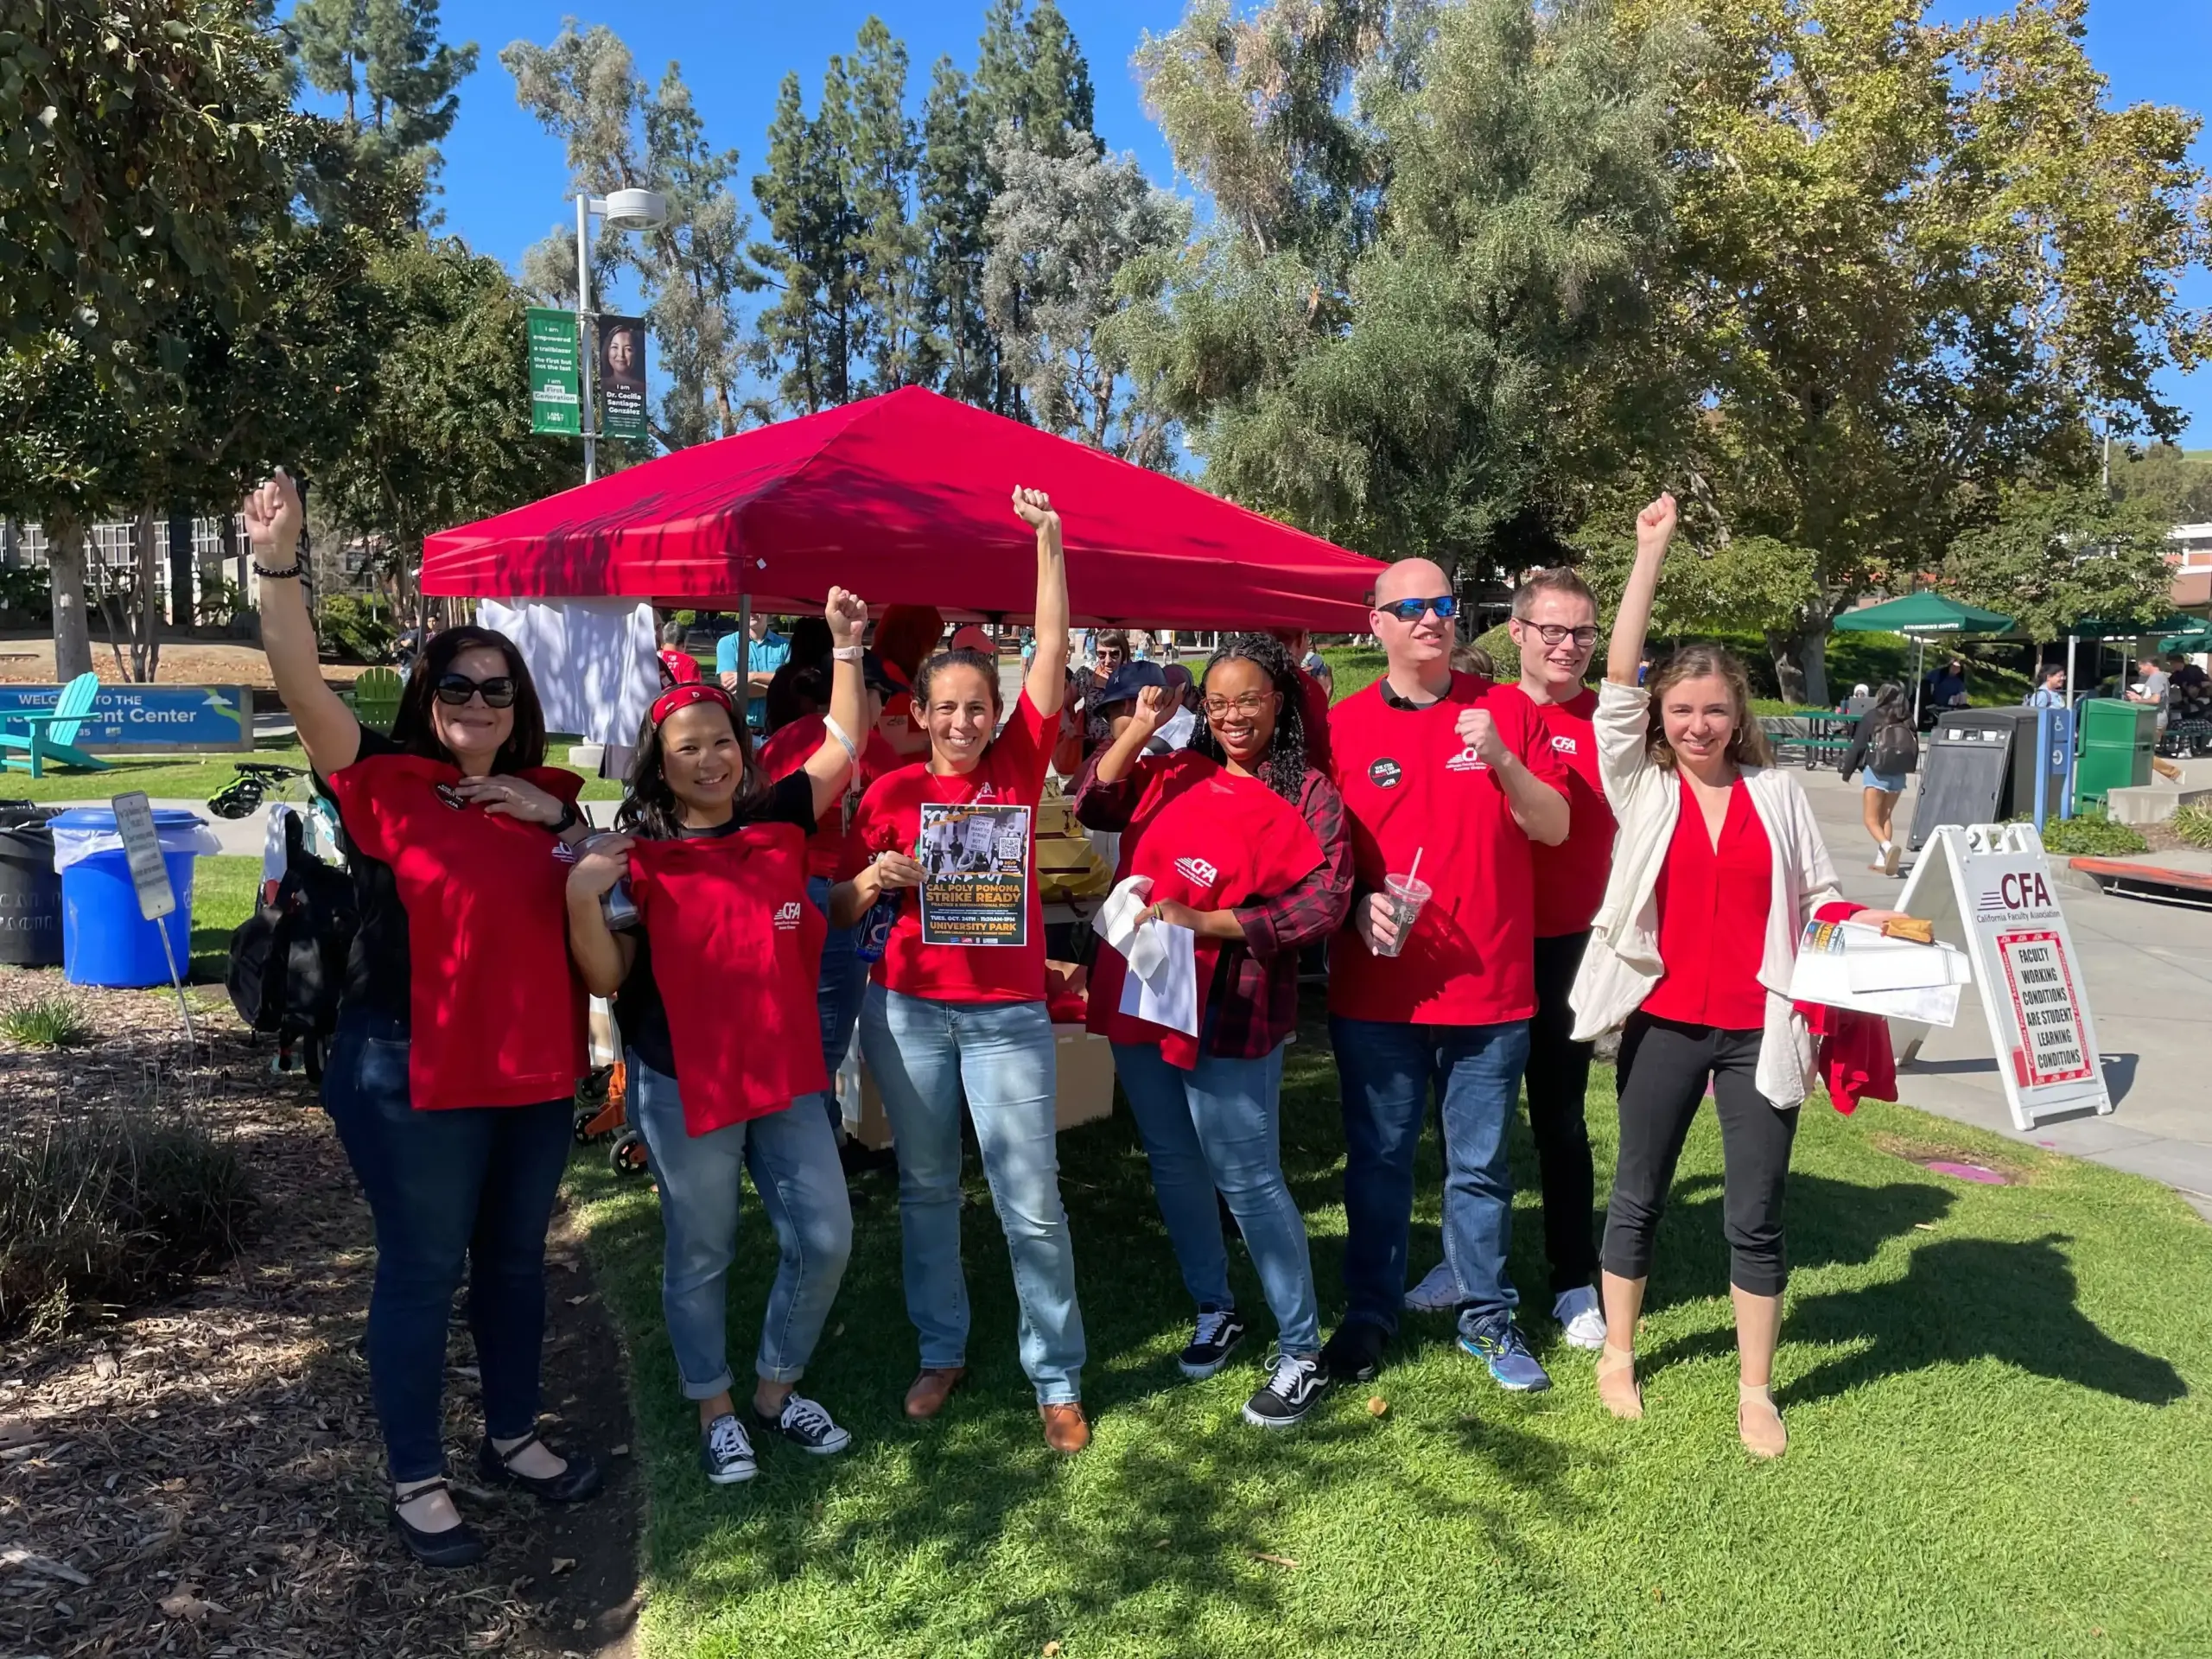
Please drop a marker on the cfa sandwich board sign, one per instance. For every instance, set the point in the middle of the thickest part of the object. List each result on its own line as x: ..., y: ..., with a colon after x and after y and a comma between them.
x: 1988, y: 890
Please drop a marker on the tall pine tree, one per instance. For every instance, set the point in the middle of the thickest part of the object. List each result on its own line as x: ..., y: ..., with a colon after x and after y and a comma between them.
x: 955, y: 200
x: 400, y: 81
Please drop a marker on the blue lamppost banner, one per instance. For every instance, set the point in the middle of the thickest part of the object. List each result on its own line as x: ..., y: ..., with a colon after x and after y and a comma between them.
x: 129, y: 719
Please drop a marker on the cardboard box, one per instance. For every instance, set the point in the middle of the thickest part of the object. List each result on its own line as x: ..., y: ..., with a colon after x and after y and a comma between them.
x: 1084, y: 1064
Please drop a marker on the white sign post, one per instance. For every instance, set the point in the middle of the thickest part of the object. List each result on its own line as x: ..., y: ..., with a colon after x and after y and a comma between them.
x: 149, y: 875
x: 1988, y: 890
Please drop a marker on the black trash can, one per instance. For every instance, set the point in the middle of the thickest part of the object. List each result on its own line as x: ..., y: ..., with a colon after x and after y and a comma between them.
x: 1978, y: 766
x: 30, y: 892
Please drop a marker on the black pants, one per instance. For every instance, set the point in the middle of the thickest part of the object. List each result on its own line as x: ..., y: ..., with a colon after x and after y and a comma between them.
x: 1558, y: 1077
x: 1663, y: 1068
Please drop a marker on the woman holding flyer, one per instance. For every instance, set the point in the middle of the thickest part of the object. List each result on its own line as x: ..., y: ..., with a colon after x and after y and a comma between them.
x: 1244, y: 844
x: 957, y: 1000
x: 716, y: 862
x: 1717, y: 867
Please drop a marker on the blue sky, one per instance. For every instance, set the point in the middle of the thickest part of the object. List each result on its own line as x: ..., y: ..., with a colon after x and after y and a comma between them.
x: 505, y: 175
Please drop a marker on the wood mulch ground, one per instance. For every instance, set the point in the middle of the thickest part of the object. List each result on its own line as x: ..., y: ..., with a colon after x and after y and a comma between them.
x: 203, y: 1476
x: 28, y: 660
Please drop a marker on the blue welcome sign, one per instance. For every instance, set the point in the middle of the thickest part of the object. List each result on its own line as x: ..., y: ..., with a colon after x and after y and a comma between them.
x: 138, y: 719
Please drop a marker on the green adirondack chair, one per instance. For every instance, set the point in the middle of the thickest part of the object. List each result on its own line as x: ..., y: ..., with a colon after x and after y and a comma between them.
x: 30, y: 739
x: 376, y: 697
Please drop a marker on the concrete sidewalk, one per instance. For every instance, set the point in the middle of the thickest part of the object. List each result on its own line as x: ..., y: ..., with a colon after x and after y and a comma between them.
x: 2148, y: 969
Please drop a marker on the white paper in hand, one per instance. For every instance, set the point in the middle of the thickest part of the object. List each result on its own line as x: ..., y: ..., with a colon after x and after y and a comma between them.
x: 1162, y: 984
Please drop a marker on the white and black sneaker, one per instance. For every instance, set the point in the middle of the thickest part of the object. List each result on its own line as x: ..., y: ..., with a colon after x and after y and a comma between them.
x: 1218, y: 1332
x: 806, y: 1425
x: 1290, y: 1393
x: 726, y: 1453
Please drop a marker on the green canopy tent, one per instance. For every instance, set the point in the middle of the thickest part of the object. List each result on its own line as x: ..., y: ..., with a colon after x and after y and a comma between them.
x: 1918, y: 615
x: 2196, y: 639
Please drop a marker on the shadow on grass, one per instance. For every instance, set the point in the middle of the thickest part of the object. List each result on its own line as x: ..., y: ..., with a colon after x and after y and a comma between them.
x: 1966, y: 1298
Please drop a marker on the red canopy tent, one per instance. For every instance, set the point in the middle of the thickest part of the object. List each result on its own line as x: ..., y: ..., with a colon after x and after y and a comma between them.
x: 903, y: 498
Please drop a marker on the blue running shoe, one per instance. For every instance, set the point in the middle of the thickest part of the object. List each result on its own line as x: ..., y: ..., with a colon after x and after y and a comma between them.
x: 1496, y: 1341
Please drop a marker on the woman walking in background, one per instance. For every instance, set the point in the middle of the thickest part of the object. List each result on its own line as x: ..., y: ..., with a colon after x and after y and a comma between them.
x: 1717, y: 867
x: 1884, y: 750
x: 1245, y: 843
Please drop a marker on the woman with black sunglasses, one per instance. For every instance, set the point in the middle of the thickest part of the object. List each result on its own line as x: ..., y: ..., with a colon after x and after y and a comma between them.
x: 452, y: 1076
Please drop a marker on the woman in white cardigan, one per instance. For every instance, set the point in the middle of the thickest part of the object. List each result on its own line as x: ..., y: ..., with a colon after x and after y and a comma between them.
x: 1717, y: 867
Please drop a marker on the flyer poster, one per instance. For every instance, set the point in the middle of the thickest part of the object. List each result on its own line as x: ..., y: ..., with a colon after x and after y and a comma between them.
x: 975, y: 863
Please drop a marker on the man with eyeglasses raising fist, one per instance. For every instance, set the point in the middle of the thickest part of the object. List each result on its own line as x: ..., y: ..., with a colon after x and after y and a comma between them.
x: 1447, y: 778
x: 1556, y: 625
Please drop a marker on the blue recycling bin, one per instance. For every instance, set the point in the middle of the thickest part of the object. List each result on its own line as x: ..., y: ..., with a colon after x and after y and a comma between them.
x: 104, y: 941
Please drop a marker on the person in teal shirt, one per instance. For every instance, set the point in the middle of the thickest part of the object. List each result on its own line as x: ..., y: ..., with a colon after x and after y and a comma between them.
x: 769, y: 652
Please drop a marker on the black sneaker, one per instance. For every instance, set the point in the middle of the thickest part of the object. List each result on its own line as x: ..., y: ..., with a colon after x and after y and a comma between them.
x: 1289, y: 1394
x: 1218, y: 1332
x: 725, y: 1453
x: 806, y: 1425
x: 1355, y: 1353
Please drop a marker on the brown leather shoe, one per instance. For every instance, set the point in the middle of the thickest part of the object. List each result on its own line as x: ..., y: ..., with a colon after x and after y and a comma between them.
x: 1064, y: 1427
x: 932, y: 1389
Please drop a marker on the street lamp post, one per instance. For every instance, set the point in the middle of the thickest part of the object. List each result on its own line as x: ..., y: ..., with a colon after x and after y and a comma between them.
x: 623, y: 210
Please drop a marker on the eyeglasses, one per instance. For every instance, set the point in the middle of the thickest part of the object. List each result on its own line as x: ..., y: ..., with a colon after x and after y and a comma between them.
x: 1247, y: 705
x: 454, y: 689
x: 1552, y: 633
x: 1409, y: 610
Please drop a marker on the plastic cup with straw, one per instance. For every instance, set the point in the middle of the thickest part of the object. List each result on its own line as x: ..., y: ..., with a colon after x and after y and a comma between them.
x: 1406, y: 895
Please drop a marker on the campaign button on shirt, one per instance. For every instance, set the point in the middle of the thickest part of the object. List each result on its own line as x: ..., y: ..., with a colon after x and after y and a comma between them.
x: 1385, y: 773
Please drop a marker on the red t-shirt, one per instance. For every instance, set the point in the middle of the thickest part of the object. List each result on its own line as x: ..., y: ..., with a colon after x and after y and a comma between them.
x: 1712, y: 906
x: 1211, y: 840
x: 1571, y: 877
x: 495, y: 1010
x: 1411, y: 785
x: 790, y: 747
x: 731, y: 930
x: 678, y: 667
x: 1011, y: 773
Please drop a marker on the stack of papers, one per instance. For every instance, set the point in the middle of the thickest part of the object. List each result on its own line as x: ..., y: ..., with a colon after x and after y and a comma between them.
x: 1846, y: 965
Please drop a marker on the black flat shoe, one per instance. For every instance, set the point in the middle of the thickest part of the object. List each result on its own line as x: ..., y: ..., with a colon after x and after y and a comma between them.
x: 572, y: 1485
x: 458, y: 1546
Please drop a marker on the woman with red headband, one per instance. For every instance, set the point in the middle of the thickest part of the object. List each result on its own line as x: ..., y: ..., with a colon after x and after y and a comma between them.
x: 715, y: 993
x: 957, y: 1010
x: 452, y: 1076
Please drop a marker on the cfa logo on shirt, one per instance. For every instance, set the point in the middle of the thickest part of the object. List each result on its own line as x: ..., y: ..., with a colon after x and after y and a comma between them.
x: 1198, y: 870
x: 787, y: 916
x: 1467, y: 760
x: 1384, y: 773
x: 1562, y: 745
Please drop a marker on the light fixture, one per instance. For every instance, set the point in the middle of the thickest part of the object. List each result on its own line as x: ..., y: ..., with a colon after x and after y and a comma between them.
x: 634, y: 210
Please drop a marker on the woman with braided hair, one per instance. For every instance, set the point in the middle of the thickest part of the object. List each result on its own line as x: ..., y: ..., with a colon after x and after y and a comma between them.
x: 1245, y: 843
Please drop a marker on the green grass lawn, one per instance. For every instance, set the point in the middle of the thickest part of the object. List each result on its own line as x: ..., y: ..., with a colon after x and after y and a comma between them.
x: 222, y: 896
x: 2000, y: 1443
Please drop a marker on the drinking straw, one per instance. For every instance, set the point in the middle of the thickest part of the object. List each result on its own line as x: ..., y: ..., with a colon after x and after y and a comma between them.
x: 1413, y: 874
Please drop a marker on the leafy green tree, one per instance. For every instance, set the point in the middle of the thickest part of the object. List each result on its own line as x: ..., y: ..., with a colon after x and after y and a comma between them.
x: 2170, y: 485
x: 1074, y: 241
x: 1412, y: 376
x: 885, y: 154
x: 618, y: 133
x: 135, y: 134
x: 441, y: 435
x: 2058, y: 554
x: 1911, y: 258
x: 1030, y: 71
x: 807, y: 341
x: 953, y: 196
x: 399, y: 77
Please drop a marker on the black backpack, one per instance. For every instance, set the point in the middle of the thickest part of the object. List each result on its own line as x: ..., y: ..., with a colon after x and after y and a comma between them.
x: 288, y: 959
x: 1895, y: 747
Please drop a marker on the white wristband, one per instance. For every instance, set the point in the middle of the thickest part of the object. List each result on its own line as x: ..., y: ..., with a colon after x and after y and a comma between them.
x: 848, y: 654
x: 844, y: 740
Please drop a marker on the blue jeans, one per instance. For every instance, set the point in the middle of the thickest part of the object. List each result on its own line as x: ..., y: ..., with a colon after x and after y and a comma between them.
x: 1387, y: 1070
x: 793, y: 1158
x: 837, y: 996
x: 922, y: 1053
x: 1217, y: 1126
x: 470, y: 1187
